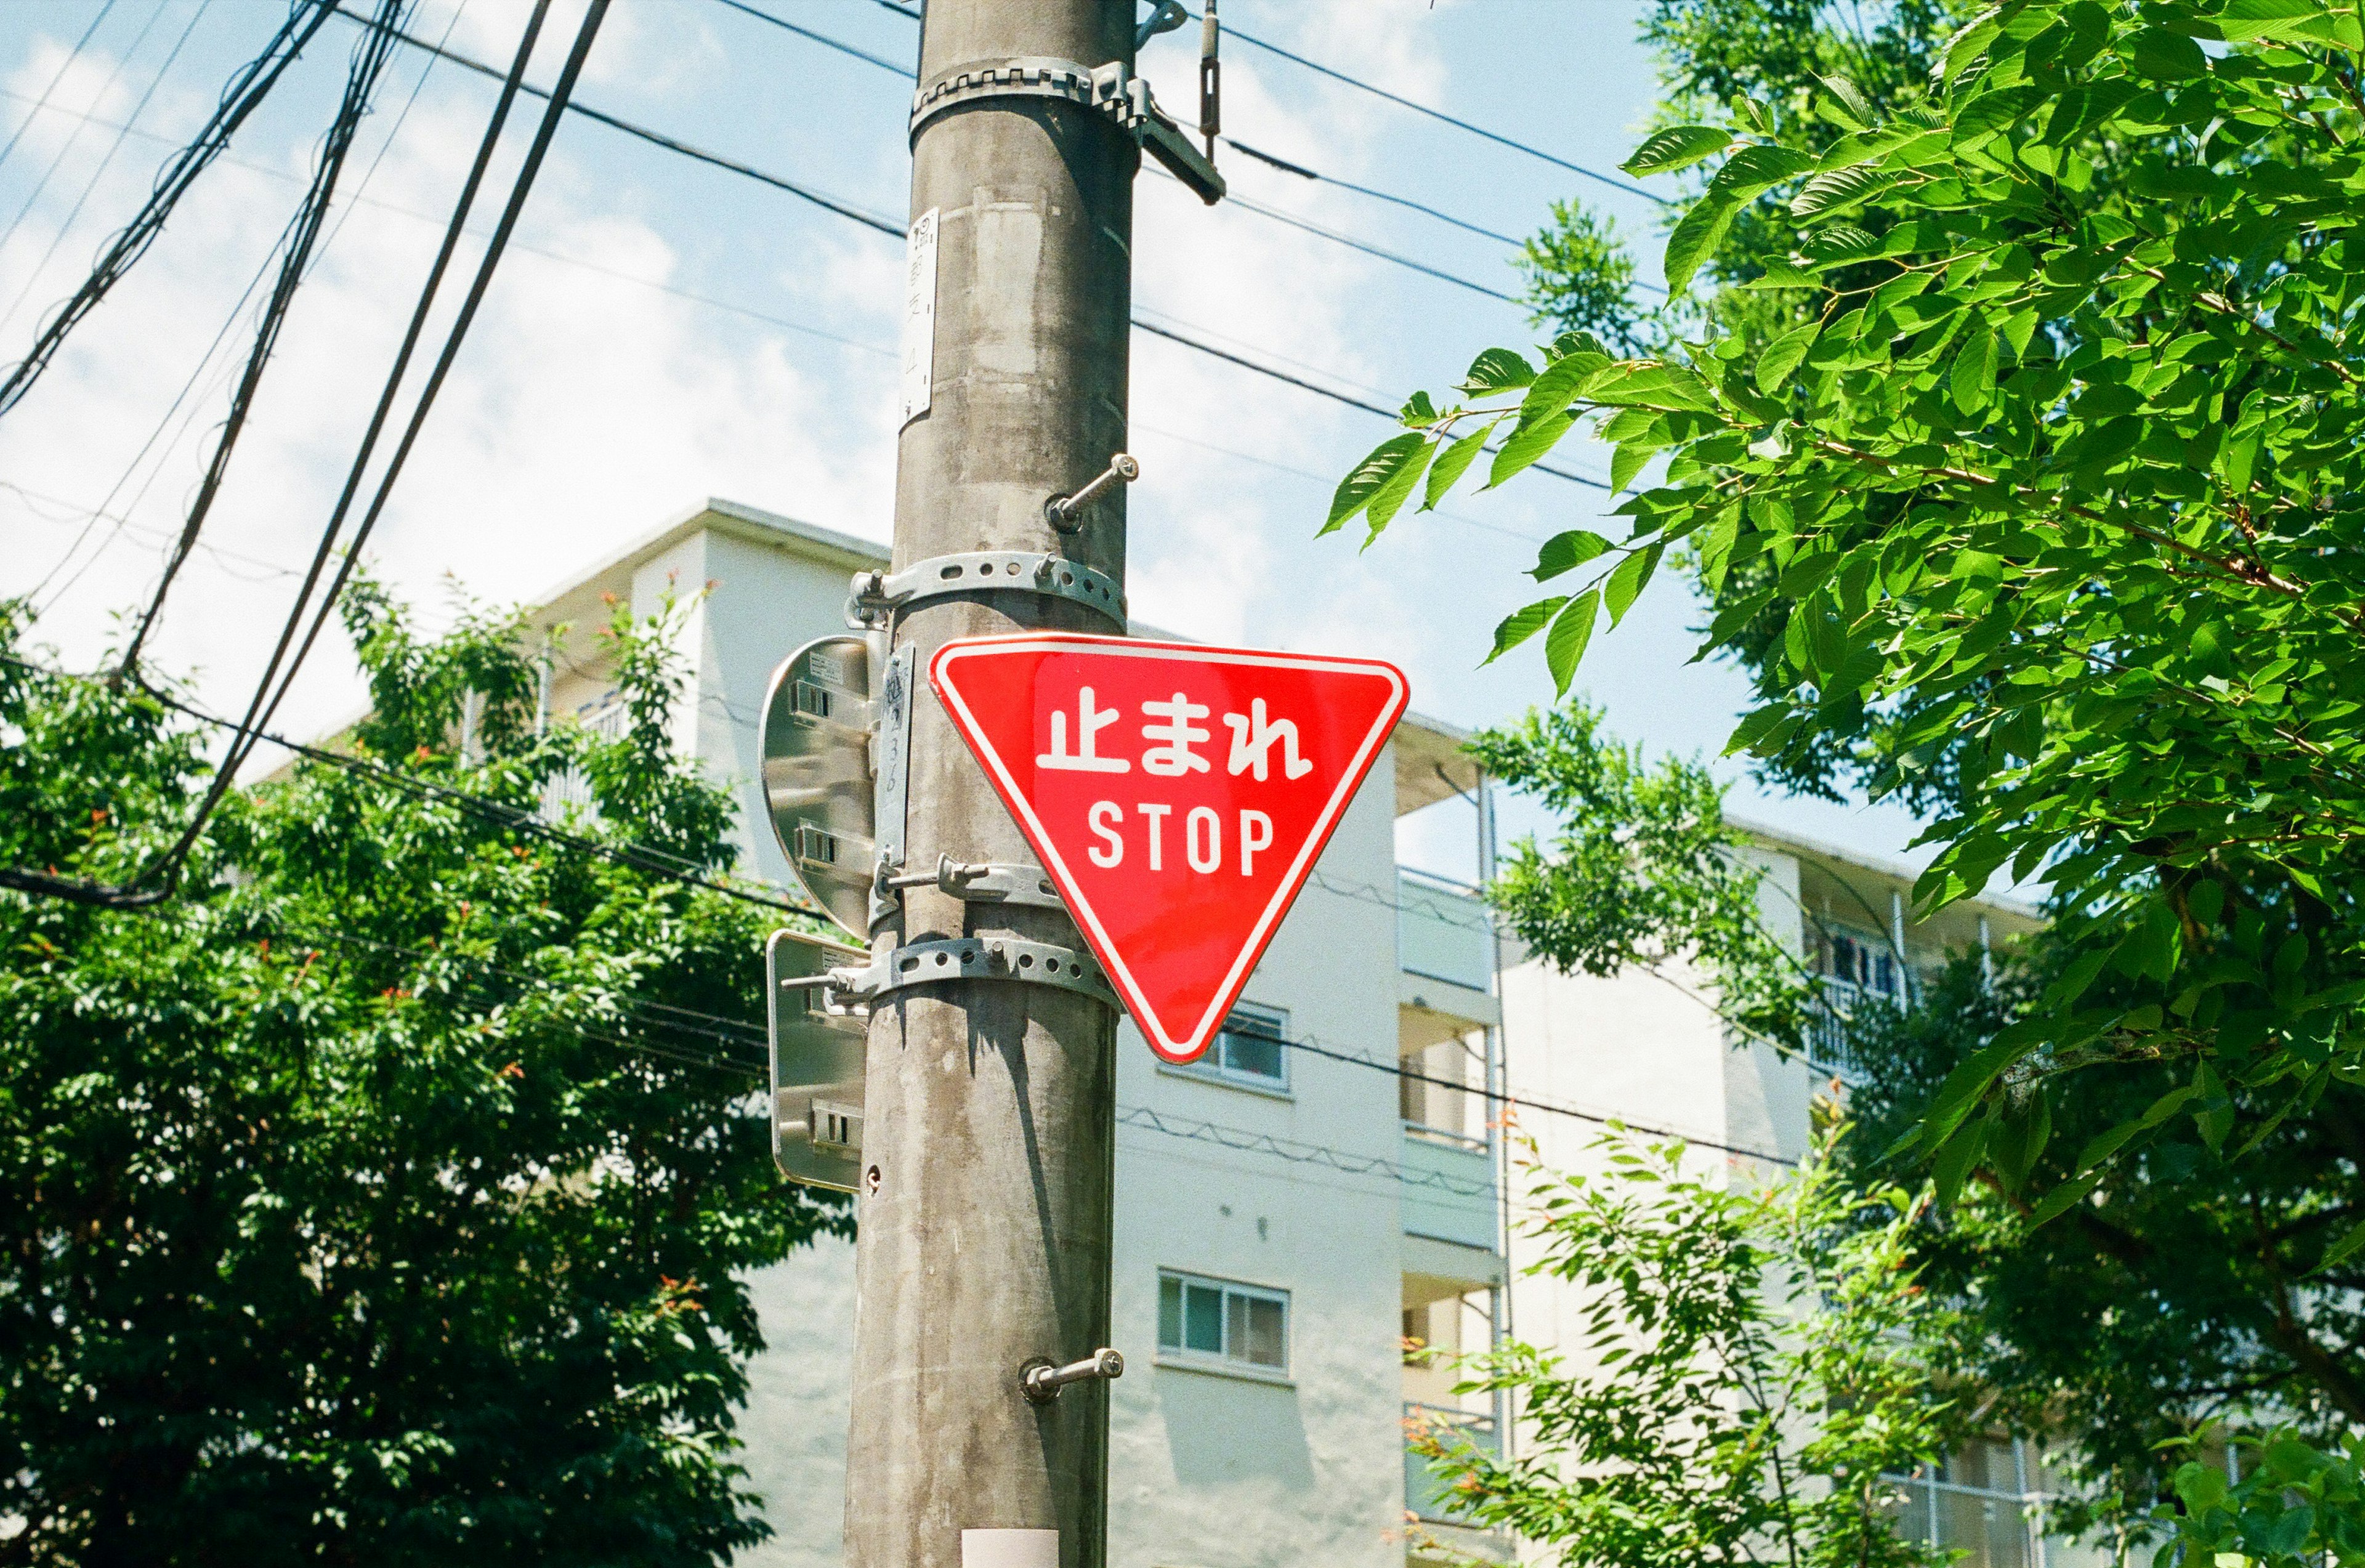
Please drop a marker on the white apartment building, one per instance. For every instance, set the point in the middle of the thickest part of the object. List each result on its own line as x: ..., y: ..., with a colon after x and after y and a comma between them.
x: 1292, y: 1207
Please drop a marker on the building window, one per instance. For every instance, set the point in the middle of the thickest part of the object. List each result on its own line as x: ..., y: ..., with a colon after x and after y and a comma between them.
x: 1218, y: 1322
x: 1251, y: 1048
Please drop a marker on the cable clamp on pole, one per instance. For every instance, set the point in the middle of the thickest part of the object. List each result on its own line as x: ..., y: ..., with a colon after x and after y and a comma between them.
x: 877, y: 596
x: 981, y: 957
x: 983, y: 883
x: 1112, y: 90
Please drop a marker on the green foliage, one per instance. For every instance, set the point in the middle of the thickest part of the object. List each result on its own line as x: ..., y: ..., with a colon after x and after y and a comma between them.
x: 1642, y: 873
x: 2294, y: 1507
x: 2060, y: 504
x: 1581, y: 278
x: 366, y: 1201
x: 2188, y: 1291
x: 1756, y: 1361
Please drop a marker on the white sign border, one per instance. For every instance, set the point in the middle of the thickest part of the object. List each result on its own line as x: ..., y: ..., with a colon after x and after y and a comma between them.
x: 1153, y: 1027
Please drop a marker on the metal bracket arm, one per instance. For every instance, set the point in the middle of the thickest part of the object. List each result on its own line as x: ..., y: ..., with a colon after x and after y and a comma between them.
x: 1111, y: 89
x: 987, y: 882
x: 982, y: 958
x: 876, y: 594
x: 1041, y: 1381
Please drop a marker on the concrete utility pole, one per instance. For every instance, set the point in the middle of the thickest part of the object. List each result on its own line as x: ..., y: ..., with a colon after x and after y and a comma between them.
x: 987, y: 1147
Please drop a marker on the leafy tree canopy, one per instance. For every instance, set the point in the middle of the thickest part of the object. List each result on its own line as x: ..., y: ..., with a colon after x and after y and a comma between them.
x: 2056, y: 482
x: 1756, y: 1365
x: 2176, y: 1302
x: 385, y: 1194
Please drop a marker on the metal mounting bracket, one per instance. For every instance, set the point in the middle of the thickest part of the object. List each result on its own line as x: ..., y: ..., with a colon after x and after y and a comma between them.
x: 981, y: 957
x: 877, y: 595
x: 986, y: 883
x: 1040, y: 1381
x: 1110, y: 89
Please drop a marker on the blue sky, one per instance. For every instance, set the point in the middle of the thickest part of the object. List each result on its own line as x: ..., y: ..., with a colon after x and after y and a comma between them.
x: 667, y: 331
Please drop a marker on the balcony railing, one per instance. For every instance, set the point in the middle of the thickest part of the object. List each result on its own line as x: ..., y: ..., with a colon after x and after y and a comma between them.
x: 1449, y: 1192
x: 1428, y: 1496
x: 1443, y: 932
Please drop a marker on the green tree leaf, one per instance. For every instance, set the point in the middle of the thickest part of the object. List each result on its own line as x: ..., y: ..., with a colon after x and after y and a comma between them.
x: 1522, y: 624
x: 1699, y: 232
x: 1527, y: 444
x: 1572, y: 628
x: 1567, y: 552
x: 1783, y: 355
x: 1626, y: 582
x: 1677, y: 147
x: 1449, y: 465
x: 1389, y: 459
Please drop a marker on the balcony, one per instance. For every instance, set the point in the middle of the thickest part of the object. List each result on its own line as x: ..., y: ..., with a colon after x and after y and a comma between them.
x: 1449, y: 1192
x: 1445, y: 960
x: 1443, y: 932
x: 1428, y: 1496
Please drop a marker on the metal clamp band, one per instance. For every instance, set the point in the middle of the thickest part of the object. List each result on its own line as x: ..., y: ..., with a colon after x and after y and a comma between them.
x: 1110, y: 89
x: 982, y: 571
x: 990, y: 881
x: 985, y: 958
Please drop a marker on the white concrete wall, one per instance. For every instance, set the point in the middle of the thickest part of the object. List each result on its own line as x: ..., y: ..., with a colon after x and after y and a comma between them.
x: 1213, y: 1471
x: 1207, y: 1471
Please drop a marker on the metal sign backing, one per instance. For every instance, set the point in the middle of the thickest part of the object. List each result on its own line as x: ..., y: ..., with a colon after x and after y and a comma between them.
x: 818, y: 1038
x: 815, y: 741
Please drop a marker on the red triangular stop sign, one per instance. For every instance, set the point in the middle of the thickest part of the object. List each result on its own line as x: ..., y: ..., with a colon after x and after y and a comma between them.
x: 1177, y: 794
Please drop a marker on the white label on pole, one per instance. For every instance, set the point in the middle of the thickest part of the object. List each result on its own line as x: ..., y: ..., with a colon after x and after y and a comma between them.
x: 919, y: 315
x: 1009, y: 1548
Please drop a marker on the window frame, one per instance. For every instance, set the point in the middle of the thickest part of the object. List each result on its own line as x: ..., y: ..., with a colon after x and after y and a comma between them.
x: 1211, y: 1069
x: 1181, y: 1354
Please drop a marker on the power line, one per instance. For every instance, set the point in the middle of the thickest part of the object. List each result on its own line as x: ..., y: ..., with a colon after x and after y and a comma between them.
x: 1307, y: 225
x: 155, y: 880
x: 1352, y: 402
x: 1495, y: 1097
x: 245, y: 90
x: 57, y: 159
x: 642, y: 858
x: 821, y: 38
x: 844, y: 208
x: 1398, y: 99
x: 1302, y: 172
x: 884, y: 226
x: 1440, y: 115
x: 1244, y: 203
x: 371, y: 55
x: 55, y: 77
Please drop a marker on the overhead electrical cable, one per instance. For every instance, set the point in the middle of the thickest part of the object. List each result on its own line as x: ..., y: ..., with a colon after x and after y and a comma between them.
x: 844, y: 208
x: 554, y: 111
x: 386, y: 143
x: 370, y: 54
x: 98, y: 176
x: 840, y: 45
x: 56, y: 76
x: 1302, y: 173
x: 1334, y: 394
x: 155, y: 880
x: 105, y: 507
x: 645, y: 859
x: 245, y: 91
x: 1245, y: 203
x: 57, y: 159
x: 1398, y: 99
x: 1440, y: 115
x: 887, y: 226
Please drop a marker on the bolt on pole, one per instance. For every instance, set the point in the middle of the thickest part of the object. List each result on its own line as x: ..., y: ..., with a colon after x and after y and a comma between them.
x: 989, y: 1145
